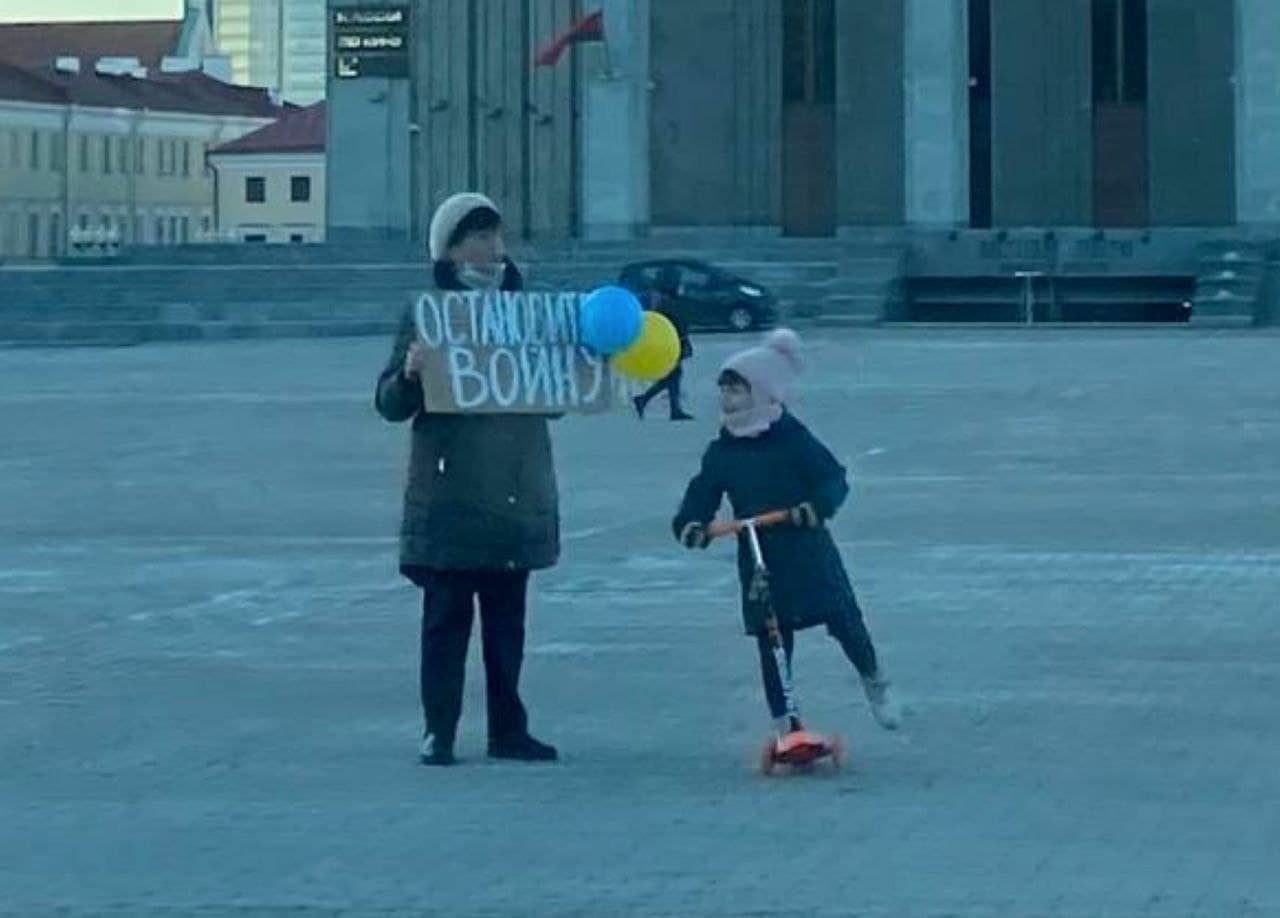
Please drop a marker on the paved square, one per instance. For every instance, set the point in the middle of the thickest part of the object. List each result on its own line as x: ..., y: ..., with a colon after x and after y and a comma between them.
x: 1068, y: 544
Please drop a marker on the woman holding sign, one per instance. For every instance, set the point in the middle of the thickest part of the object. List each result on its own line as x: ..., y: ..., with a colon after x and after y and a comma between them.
x: 481, y: 508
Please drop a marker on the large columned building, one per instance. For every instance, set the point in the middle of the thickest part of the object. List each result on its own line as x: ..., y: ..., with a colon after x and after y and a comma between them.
x: 804, y: 117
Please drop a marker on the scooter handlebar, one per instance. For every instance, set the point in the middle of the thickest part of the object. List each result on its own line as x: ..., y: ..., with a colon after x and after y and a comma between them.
x: 723, y: 528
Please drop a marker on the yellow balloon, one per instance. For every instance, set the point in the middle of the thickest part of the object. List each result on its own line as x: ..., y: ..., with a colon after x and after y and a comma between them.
x: 655, y: 353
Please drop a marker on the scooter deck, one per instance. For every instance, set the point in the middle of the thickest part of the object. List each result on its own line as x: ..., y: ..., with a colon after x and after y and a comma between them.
x: 801, y: 749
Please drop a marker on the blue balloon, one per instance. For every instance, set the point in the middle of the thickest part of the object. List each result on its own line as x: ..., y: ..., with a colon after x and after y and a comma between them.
x: 612, y: 320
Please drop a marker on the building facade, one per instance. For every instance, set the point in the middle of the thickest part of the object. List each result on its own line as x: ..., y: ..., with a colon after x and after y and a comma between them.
x: 803, y: 117
x: 271, y: 183
x: 275, y: 44
x: 112, y: 158
x: 964, y: 113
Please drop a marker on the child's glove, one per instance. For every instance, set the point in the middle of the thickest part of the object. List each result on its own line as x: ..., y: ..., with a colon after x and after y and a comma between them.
x: 695, y: 535
x: 804, y: 516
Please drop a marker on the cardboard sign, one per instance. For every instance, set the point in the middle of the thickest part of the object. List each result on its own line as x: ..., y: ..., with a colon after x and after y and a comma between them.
x: 498, y: 352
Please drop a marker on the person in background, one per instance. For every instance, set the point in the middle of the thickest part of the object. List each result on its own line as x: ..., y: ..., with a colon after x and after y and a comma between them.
x: 664, y: 298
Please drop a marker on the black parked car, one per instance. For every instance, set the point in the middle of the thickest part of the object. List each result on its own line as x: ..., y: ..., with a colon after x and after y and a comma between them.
x: 706, y: 297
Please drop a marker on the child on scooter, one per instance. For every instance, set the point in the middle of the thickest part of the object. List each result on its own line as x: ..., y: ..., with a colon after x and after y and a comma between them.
x: 765, y: 460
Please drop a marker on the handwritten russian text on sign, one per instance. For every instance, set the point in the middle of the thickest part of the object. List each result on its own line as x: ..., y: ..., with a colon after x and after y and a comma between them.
x: 509, y: 353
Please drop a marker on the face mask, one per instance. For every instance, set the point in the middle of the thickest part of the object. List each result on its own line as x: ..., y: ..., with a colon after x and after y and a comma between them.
x: 481, y: 277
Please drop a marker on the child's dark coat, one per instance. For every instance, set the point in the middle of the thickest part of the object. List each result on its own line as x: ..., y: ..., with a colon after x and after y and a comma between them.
x: 780, y: 469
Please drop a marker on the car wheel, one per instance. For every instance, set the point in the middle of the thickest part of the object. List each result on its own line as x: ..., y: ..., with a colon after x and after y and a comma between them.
x: 741, y: 319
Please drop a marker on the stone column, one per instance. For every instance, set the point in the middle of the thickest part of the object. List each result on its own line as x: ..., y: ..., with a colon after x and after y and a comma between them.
x: 1257, y: 77
x: 1191, y: 104
x: 615, y: 125
x: 936, y: 112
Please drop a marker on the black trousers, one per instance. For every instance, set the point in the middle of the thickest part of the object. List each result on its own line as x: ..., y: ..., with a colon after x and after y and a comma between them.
x: 669, y: 384
x: 850, y: 633
x: 448, y: 608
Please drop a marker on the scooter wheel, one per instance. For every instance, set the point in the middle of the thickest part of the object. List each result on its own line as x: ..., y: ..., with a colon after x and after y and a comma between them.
x: 769, y: 758
x: 839, y: 754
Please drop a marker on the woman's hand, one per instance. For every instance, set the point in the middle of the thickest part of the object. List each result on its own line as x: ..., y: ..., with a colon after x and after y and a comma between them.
x: 415, y: 360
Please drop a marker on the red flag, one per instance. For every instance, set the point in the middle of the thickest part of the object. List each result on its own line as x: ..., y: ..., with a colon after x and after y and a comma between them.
x: 589, y: 28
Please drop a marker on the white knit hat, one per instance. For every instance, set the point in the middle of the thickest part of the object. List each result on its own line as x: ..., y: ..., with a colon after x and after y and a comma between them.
x: 447, y: 217
x: 770, y: 368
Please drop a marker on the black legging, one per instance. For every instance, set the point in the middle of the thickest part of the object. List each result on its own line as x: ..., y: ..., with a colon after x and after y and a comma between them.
x: 850, y: 633
x: 669, y: 384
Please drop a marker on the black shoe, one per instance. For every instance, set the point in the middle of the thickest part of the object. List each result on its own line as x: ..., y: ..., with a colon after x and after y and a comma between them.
x: 681, y: 416
x: 436, y: 753
x: 639, y: 403
x: 522, y: 749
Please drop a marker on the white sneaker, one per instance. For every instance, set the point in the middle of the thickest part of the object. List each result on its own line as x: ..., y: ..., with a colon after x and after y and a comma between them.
x: 883, y: 705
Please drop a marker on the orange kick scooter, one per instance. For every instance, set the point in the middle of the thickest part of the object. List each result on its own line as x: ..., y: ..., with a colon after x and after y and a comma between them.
x: 798, y: 749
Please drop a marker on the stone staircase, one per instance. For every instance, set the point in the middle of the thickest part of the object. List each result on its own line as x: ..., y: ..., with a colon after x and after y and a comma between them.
x: 1230, y: 283
x: 211, y: 292
x: 829, y: 281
